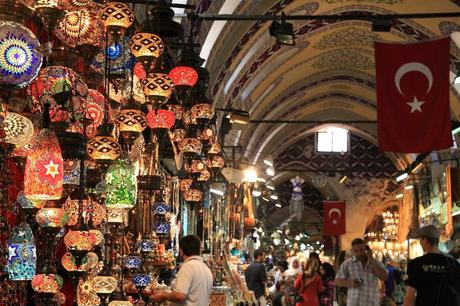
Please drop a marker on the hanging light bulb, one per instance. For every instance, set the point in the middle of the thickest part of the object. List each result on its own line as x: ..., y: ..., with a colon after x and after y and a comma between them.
x: 121, y: 185
x: 43, y: 177
x: 147, y: 48
x: 117, y: 17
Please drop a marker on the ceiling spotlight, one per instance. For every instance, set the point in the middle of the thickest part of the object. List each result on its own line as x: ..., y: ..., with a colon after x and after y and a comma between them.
x: 278, y: 205
x: 265, y: 199
x: 218, y: 192
x: 239, y: 117
x: 269, y: 186
x: 274, y: 197
x: 268, y: 162
x: 342, y: 179
x: 250, y: 175
x: 283, y: 32
x: 401, y: 176
x: 270, y: 171
x: 409, y: 187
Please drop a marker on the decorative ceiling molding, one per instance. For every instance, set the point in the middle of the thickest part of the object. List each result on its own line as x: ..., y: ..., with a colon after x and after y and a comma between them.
x: 350, y: 36
x: 344, y: 58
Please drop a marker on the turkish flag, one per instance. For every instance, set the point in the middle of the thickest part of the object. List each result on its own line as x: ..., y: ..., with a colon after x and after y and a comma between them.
x: 413, y: 113
x: 334, y: 218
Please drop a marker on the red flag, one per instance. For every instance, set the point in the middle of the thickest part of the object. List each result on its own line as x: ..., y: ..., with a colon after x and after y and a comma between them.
x: 413, y: 113
x: 334, y: 218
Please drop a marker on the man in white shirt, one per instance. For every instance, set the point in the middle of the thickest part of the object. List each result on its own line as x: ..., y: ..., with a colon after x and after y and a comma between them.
x: 193, y: 283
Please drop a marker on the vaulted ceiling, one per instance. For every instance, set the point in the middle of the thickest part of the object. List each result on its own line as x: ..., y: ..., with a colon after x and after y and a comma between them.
x: 328, y: 75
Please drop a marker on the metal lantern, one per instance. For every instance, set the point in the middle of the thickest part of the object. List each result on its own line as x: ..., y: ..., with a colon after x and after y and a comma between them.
x: 20, y: 60
x: 121, y: 185
x: 158, y: 87
x: 147, y: 48
x: 117, y: 17
x: 43, y: 178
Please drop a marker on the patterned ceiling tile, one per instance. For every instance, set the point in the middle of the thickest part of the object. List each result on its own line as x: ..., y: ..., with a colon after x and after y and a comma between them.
x: 345, y: 58
x: 351, y: 36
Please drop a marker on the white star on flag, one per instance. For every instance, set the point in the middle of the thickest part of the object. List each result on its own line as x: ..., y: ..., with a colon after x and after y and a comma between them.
x: 415, y: 105
x: 52, y: 169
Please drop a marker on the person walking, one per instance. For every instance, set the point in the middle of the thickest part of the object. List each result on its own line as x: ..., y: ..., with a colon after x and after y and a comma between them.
x: 432, y: 279
x: 308, y: 284
x: 256, y: 277
x: 327, y: 273
x: 361, y: 274
x: 193, y: 283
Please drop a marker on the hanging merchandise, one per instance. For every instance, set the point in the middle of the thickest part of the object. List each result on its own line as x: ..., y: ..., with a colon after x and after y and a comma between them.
x: 121, y: 185
x: 22, y: 258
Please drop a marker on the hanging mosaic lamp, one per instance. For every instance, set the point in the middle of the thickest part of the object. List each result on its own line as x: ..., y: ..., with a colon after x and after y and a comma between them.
x: 79, y: 240
x: 131, y: 120
x: 141, y: 281
x: 121, y: 185
x: 93, y: 212
x: 47, y: 283
x: 145, y: 246
x: 120, y: 302
x: 20, y: 60
x: 161, y: 208
x: 119, y: 59
x: 22, y: 257
x: 216, y: 163
x: 51, y: 217
x: 103, y: 148
x: 104, y: 284
x: 195, y: 168
x: 72, y: 5
x: 116, y: 215
x: 25, y: 203
x: 3, y: 110
x: 203, y: 113
x: 18, y: 129
x: 158, y: 87
x: 69, y: 263
x: 147, y: 48
x: 193, y: 195
x: 214, y: 148
x: 116, y: 17
x: 132, y: 262
x: 43, y: 178
x: 183, y: 76
x: 161, y: 119
x: 205, y: 175
x: 185, y: 184
x: 190, y: 147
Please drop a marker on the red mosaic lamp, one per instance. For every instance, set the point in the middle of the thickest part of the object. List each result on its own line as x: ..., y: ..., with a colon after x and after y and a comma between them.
x: 161, y: 119
x: 183, y: 76
x: 43, y: 177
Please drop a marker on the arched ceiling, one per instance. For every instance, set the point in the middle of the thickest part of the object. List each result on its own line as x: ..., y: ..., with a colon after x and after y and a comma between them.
x: 328, y: 75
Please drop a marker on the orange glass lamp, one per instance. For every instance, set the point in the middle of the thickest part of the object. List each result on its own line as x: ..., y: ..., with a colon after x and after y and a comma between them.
x: 203, y: 113
x: 216, y: 163
x: 116, y: 17
x: 146, y: 48
x: 51, y: 217
x: 103, y: 148
x: 158, y: 87
x: 43, y: 178
x: 190, y: 147
x: 193, y: 195
x: 131, y: 120
x: 79, y: 240
x: 93, y: 212
x: 47, y: 283
x: 68, y: 262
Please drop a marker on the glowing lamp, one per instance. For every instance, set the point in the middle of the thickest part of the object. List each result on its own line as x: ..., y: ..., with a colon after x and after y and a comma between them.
x: 132, y: 262
x: 116, y: 17
x: 71, y: 5
x: 161, y: 227
x: 158, y: 87
x: 104, y: 284
x: 147, y: 48
x: 214, y: 148
x: 190, y: 146
x: 28, y: 204
x: 119, y: 58
x: 203, y: 112
x: 51, y: 217
x: 79, y: 240
x: 188, y: 118
x: 47, y: 283
x: 43, y: 178
x: 131, y: 120
x: 93, y: 212
x: 196, y: 167
x: 183, y: 76
x: 161, y: 119
x: 69, y: 263
x: 121, y: 185
x: 216, y: 162
x: 177, y: 109
x: 178, y: 135
x: 3, y: 110
x: 141, y: 281
x: 145, y: 245
x: 22, y: 258
x: 161, y: 208
x: 116, y: 215
x: 206, y: 134
x: 20, y: 60
x: 185, y: 184
x: 103, y: 147
x: 205, y: 175
x: 193, y: 195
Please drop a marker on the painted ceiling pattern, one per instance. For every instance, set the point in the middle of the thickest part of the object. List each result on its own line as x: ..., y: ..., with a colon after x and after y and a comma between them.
x: 345, y: 58
x: 352, y: 36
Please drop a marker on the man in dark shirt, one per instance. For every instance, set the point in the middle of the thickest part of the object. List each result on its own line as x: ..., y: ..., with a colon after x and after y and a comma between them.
x: 256, y: 277
x: 431, y: 275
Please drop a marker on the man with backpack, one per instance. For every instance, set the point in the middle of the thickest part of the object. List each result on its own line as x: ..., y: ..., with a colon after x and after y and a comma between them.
x: 433, y: 279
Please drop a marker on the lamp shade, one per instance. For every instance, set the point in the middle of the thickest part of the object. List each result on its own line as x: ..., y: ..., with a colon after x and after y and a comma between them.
x: 215, y: 162
x: 116, y: 16
x: 183, y: 76
x: 161, y: 119
x: 93, y: 212
x: 158, y: 87
x: 131, y: 119
x: 26, y: 203
x: 105, y: 284
x: 190, y: 146
x: 94, y: 111
x: 51, y: 217
x: 185, y: 184
x: 161, y: 208
x: 214, y: 148
x: 22, y: 258
x: 206, y: 134
x: 43, y: 177
x: 47, y: 283
x: 145, y: 245
x: 18, y: 129
x: 146, y: 47
x: 193, y: 195
x: 132, y: 262
x: 69, y: 263
x: 203, y: 111
x: 178, y: 135
x: 20, y: 60
x: 121, y: 185
x: 79, y: 240
x: 205, y: 175
x: 141, y: 280
x: 116, y: 215
x: 161, y: 227
x: 103, y: 147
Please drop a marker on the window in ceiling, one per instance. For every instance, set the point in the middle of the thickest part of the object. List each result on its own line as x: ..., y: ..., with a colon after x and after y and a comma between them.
x: 332, y: 140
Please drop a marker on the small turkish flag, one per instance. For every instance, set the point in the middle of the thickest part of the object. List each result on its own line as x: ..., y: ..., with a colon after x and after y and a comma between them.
x: 413, y: 113
x: 334, y: 218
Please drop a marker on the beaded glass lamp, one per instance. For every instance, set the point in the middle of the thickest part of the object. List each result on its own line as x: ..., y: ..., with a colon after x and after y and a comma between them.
x: 18, y: 129
x: 131, y: 120
x: 22, y: 258
x: 93, y: 212
x: 158, y: 87
x: 161, y: 119
x: 203, y: 113
x: 20, y: 60
x: 79, y: 241
x: 119, y: 58
x: 193, y: 195
x: 43, y: 178
x: 47, y: 283
x: 161, y: 208
x: 121, y: 185
x: 116, y: 17
x: 69, y: 263
x: 183, y: 76
x: 190, y: 147
x: 103, y: 148
x: 104, y: 284
x: 147, y: 48
x: 51, y: 217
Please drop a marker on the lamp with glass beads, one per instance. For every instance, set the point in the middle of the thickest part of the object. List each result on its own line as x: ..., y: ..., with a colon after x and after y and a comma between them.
x: 116, y: 17
x: 147, y: 48
x: 158, y: 88
x: 121, y: 184
x: 131, y: 120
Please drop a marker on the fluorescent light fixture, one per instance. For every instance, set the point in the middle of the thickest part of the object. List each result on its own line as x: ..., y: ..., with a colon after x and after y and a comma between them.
x: 257, y: 193
x: 265, y: 199
x: 456, y: 124
x: 271, y: 187
x: 261, y: 179
x: 270, y: 171
x: 278, y: 205
x: 342, y: 179
x: 250, y: 175
x: 399, y: 196
x: 274, y: 197
x: 217, y: 191
x: 279, y: 231
x: 268, y: 162
x: 409, y: 187
x: 402, y: 177
x: 417, y: 168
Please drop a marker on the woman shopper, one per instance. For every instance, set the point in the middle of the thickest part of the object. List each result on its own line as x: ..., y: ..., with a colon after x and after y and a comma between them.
x: 309, y: 285
x: 327, y: 273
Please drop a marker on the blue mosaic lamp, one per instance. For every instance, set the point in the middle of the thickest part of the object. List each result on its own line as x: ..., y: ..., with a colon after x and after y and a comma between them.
x: 161, y: 208
x: 120, y: 59
x: 22, y: 258
x: 132, y: 262
x: 146, y: 246
x: 161, y: 227
x: 20, y: 60
x: 121, y: 185
x: 141, y: 281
